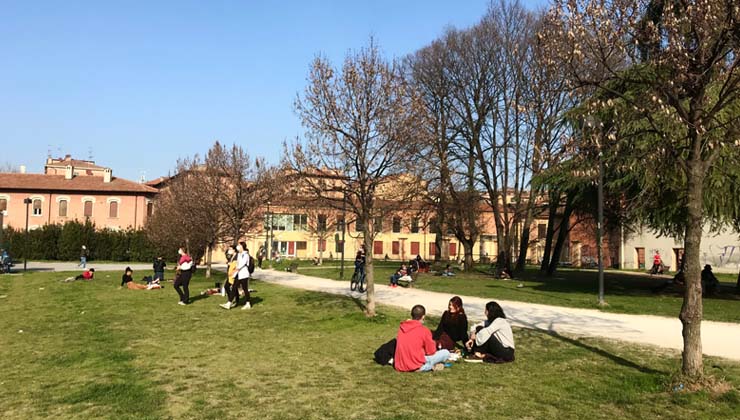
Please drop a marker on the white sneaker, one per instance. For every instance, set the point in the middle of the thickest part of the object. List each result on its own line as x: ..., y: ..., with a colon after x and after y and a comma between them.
x: 246, y: 306
x: 226, y: 305
x: 181, y: 303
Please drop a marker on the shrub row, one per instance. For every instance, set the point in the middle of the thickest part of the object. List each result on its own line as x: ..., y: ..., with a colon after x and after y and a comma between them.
x: 64, y: 242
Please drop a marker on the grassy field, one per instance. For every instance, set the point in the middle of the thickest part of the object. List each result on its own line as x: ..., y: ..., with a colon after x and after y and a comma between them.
x: 625, y: 292
x: 91, y: 350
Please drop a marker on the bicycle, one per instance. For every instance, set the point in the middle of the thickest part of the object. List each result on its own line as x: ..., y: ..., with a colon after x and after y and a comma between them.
x: 357, y: 282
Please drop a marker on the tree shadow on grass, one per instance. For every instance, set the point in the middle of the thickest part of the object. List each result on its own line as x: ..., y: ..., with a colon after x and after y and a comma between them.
x: 603, y: 353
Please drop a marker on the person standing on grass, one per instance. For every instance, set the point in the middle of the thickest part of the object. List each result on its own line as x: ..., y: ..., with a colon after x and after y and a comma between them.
x: 83, y: 257
x: 416, y: 351
x: 159, y: 266
x: 182, y: 277
x: 492, y: 340
x: 242, y: 274
x: 230, y: 286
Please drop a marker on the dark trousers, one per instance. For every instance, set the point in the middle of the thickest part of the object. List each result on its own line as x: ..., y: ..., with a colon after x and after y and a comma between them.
x: 232, y: 291
x: 497, y: 350
x: 244, y: 283
x: 159, y: 275
x: 183, y: 279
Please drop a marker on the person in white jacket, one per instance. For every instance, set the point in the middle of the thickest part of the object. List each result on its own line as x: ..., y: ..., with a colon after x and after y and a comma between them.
x: 241, y: 275
x: 492, y: 340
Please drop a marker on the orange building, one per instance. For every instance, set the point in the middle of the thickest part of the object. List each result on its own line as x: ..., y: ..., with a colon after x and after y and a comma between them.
x: 72, y: 189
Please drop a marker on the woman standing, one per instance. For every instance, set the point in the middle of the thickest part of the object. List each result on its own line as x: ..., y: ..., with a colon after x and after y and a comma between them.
x: 182, y: 277
x: 453, y: 327
x: 232, y: 291
x: 242, y: 274
x: 492, y: 340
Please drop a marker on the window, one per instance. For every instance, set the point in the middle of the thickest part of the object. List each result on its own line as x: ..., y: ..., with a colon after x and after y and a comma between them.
x: 88, y: 208
x: 358, y: 226
x: 3, y: 204
x: 453, y: 249
x: 340, y: 223
x: 378, y: 224
x: 149, y: 209
x: 62, y: 208
x: 113, y: 210
x: 396, y: 225
x: 432, y: 249
x: 338, y: 246
x: 321, y: 245
x: 300, y: 222
x: 321, y: 223
x: 396, y: 248
x: 378, y: 248
x: 415, y: 225
x: 301, y: 245
x: 36, y: 207
x: 541, y: 231
x: 415, y: 248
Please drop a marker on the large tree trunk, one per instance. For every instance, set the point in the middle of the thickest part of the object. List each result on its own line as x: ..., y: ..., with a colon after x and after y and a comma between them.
x: 468, y: 252
x: 524, y: 243
x: 369, y: 273
x: 209, y: 260
x: 552, y: 214
x: 692, y: 308
x: 562, y: 236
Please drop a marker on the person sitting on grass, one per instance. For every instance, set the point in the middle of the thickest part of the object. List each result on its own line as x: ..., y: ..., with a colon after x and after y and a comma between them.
x: 416, y: 351
x: 127, y: 279
x: 398, y: 274
x: 709, y: 282
x: 448, y: 271
x: 88, y: 275
x: 492, y: 341
x: 453, y: 327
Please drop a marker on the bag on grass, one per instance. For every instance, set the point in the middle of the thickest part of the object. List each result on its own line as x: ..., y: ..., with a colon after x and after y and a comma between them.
x: 384, y: 354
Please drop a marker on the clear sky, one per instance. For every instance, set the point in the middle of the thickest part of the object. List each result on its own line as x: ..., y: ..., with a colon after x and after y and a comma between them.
x: 139, y: 84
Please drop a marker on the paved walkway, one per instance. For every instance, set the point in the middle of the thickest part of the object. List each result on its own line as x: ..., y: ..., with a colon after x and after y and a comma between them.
x: 718, y: 338
x: 74, y: 266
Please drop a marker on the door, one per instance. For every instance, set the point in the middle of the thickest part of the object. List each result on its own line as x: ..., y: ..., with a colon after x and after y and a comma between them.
x: 640, y: 258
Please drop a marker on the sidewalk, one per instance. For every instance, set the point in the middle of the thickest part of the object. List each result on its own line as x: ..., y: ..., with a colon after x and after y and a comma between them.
x: 718, y: 338
x: 74, y: 266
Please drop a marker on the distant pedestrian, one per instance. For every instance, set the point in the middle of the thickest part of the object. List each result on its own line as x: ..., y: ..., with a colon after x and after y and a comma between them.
x: 182, y: 277
x: 159, y: 266
x: 242, y: 274
x: 83, y: 257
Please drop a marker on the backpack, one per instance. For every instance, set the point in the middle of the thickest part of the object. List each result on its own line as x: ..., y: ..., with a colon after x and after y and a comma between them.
x: 385, y: 353
x: 250, y: 265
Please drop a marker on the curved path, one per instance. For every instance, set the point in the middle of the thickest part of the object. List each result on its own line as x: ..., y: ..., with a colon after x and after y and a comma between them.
x: 718, y: 338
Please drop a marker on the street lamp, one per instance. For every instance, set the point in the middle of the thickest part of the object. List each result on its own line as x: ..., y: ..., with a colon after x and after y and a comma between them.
x: 591, y: 122
x: 267, y: 233
x: 27, y: 202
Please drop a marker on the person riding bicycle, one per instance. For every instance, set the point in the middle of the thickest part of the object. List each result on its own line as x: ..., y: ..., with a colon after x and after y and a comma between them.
x: 360, y: 262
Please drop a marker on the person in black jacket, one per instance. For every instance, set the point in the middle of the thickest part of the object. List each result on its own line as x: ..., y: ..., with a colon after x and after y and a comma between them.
x: 159, y: 266
x: 453, y: 327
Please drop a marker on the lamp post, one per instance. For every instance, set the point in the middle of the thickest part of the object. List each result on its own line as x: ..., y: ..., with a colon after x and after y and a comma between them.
x: 267, y: 233
x: 27, y: 202
x: 344, y: 228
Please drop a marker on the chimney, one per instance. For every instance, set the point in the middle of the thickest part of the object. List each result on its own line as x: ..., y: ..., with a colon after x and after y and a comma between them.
x: 68, y: 172
x: 22, y: 169
x: 107, y: 175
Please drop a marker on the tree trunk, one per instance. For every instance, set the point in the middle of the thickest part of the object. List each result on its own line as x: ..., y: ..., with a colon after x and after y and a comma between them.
x: 692, y: 308
x: 738, y: 282
x: 562, y: 236
x: 369, y: 273
x: 523, y: 245
x: 552, y: 213
x: 209, y: 259
x: 321, y: 257
x: 468, y: 252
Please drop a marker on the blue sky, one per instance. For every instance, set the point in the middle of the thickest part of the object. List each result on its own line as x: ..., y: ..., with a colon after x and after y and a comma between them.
x: 139, y: 84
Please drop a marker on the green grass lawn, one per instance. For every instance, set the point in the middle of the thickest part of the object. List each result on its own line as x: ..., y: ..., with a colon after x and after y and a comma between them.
x: 91, y: 350
x: 625, y: 292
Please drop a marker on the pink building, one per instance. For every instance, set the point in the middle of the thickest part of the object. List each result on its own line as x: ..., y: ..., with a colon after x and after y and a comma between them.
x: 74, y: 190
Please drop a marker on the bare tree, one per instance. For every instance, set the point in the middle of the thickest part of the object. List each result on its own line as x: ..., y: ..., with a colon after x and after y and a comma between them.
x: 7, y: 167
x: 361, y: 123
x: 676, y: 65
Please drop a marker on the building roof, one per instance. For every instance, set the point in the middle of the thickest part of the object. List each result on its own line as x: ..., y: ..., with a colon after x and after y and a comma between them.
x: 42, y: 182
x: 77, y: 163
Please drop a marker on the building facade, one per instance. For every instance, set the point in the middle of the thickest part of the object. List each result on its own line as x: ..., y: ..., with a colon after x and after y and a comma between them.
x: 73, y: 190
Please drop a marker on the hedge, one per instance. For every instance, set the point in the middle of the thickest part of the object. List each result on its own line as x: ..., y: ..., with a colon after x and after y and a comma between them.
x: 64, y: 242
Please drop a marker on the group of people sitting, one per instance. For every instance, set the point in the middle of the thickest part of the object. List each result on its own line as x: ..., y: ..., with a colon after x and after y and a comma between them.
x: 416, y: 348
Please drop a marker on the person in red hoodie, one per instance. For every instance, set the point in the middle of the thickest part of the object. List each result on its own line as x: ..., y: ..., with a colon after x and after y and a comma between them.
x: 415, y: 348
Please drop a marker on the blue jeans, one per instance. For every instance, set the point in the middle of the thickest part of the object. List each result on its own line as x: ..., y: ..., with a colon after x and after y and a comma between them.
x: 83, y: 262
x: 439, y: 357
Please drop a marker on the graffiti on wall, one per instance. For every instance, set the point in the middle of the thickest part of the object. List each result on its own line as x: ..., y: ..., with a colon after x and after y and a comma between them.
x: 722, y: 255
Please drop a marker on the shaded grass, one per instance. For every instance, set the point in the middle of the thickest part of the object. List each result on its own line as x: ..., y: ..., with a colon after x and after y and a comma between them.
x: 90, y: 350
x: 625, y: 292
